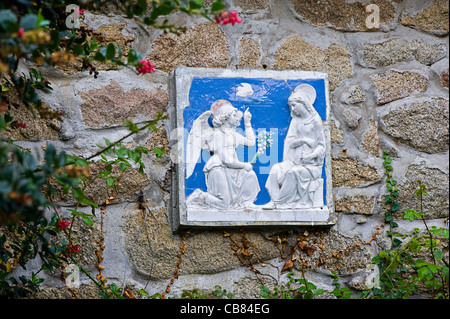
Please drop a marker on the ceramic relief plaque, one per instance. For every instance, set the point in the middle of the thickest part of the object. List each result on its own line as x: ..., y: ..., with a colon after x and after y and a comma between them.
x: 250, y: 147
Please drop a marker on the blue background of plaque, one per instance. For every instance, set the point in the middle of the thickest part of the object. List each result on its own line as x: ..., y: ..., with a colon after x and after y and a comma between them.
x: 269, y: 109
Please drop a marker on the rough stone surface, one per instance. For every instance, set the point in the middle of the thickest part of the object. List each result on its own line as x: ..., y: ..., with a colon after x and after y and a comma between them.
x: 395, y: 85
x: 372, y: 141
x: 86, y: 237
x: 444, y: 78
x: 436, y: 204
x: 105, y: 34
x: 337, y: 135
x: 398, y: 50
x: 249, y: 54
x: 349, y: 172
x: 355, y: 205
x: 249, y: 287
x: 155, y: 252
x: 89, y: 291
x: 422, y: 125
x: 128, y: 186
x: 111, y: 105
x: 160, y: 170
x: 114, y: 33
x: 354, y: 95
x: 252, y: 4
x: 295, y: 53
x: 331, y: 252
x: 10, y: 237
x: 37, y: 128
x: 84, y: 291
x: 212, y: 252
x: 204, y: 45
x: 351, y: 118
x: 341, y: 15
x: 433, y: 19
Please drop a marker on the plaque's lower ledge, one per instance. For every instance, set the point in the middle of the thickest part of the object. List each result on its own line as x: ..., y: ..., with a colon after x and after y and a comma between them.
x: 258, y: 217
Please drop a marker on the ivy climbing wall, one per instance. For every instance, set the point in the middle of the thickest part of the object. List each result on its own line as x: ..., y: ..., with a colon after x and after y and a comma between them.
x: 389, y: 92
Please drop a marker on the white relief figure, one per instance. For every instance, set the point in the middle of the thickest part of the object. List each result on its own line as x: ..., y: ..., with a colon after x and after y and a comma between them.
x: 230, y: 183
x: 297, y: 181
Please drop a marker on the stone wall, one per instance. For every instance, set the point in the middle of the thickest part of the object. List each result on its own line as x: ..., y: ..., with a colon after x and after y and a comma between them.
x: 388, y: 90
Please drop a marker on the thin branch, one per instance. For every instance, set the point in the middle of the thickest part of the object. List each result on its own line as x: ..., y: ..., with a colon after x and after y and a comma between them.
x: 153, y: 122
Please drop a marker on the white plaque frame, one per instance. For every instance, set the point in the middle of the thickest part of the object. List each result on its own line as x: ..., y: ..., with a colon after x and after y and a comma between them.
x: 181, y: 217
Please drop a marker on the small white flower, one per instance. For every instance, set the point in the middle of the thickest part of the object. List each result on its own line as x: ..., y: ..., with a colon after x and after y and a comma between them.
x: 265, y: 141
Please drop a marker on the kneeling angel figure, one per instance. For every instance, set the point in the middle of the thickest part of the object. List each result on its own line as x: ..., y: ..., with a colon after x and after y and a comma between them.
x: 230, y: 183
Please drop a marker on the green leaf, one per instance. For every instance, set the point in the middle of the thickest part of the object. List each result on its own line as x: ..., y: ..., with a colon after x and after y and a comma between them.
x: 28, y: 22
x: 110, y: 51
x: 78, y: 213
x: 434, y: 268
x: 414, y: 246
x: 77, y: 49
x: 338, y: 294
x: 143, y: 292
x: 140, y: 8
x: 133, y: 57
x: 81, y: 162
x: 41, y: 22
x: 50, y: 153
x: 85, y: 201
x: 438, y: 254
x: 319, y: 291
x: 265, y: 292
x: 122, y: 152
x: 159, y: 152
x: 93, y: 45
x: 422, y: 273
x: 2, y: 239
x: 51, y: 232
x: 123, y: 167
x: 99, y: 57
x: 77, y: 193
x: 119, y: 50
x: 30, y: 162
x: 108, y: 142
x: 110, y: 181
x: 388, y: 217
x: 8, y: 21
x: 309, y: 295
x: 396, y: 242
x: 409, y: 214
x: 197, y: 4
x: 131, y: 126
x: 217, y: 6
x: 87, y: 221
x: 310, y: 286
x: 161, y: 10
x: 395, y: 206
x: 35, y: 73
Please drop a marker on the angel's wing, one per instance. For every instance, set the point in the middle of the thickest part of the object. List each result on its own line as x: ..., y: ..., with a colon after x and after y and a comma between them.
x: 196, y: 141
